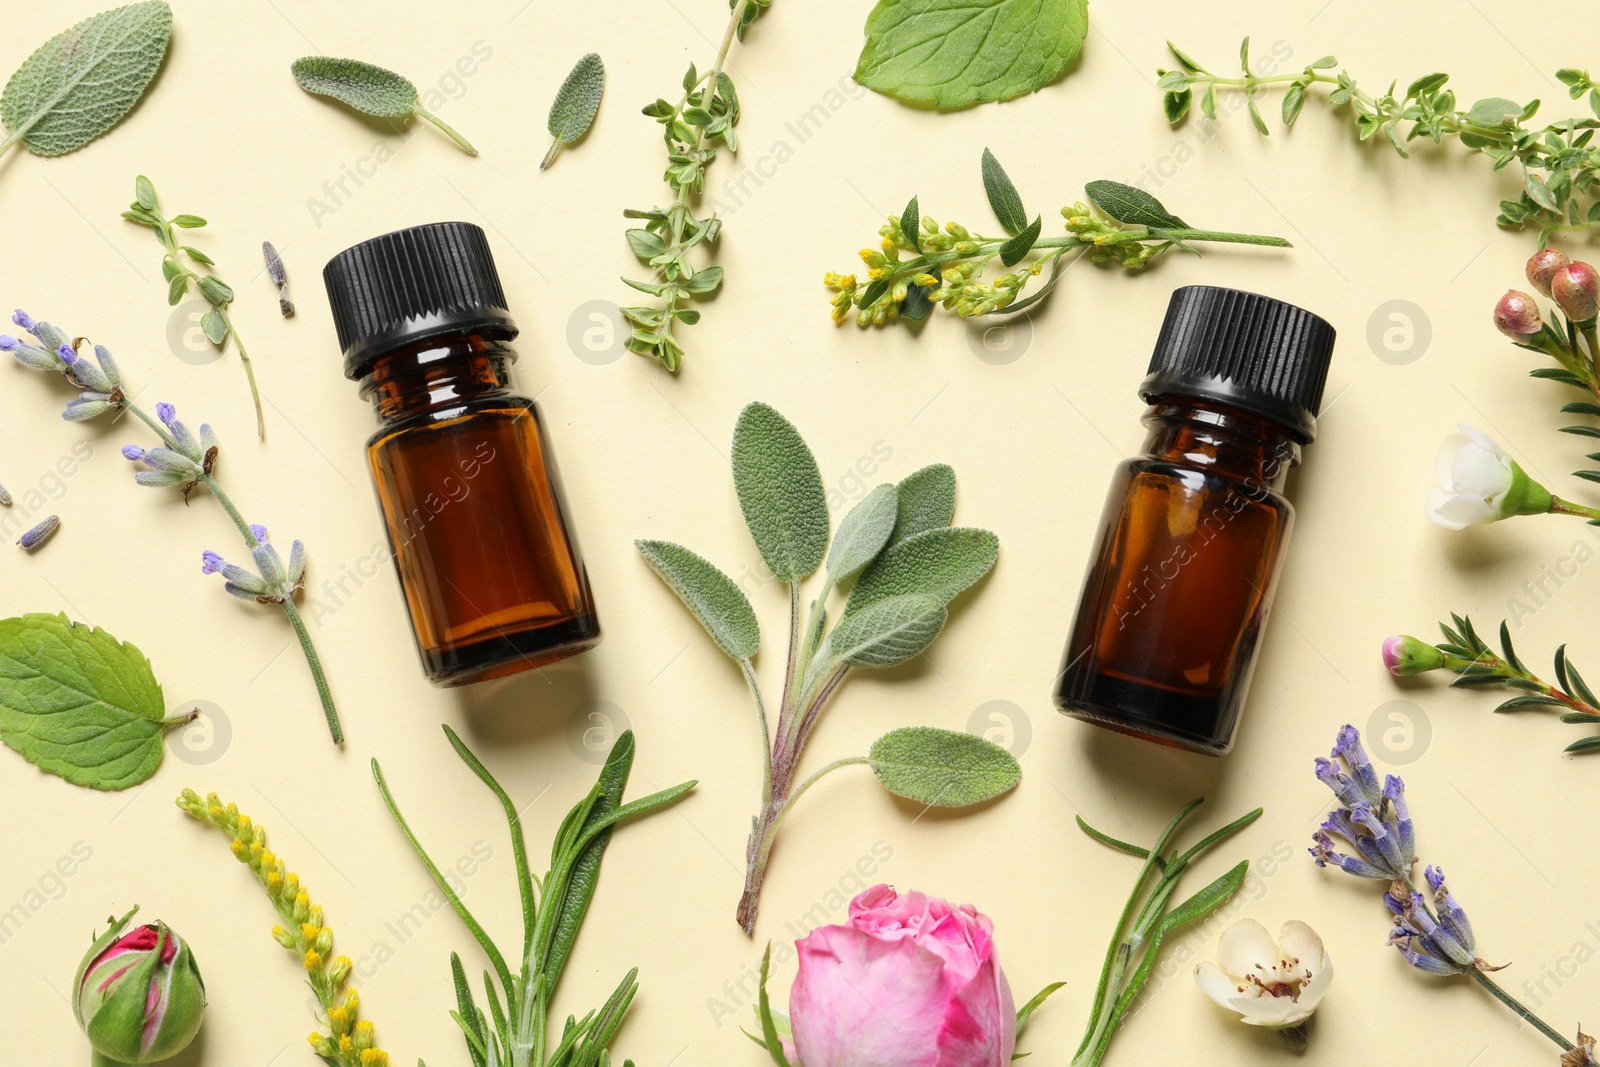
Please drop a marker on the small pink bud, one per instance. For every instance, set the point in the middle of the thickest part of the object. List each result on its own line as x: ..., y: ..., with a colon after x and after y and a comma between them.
x: 1576, y: 289
x: 1542, y: 266
x: 1517, y: 315
x: 1409, y: 655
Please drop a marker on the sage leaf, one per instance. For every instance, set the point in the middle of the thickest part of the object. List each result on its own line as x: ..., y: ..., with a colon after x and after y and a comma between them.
x: 780, y: 492
x: 1003, y: 197
x: 940, y: 563
x: 368, y: 88
x: 82, y: 81
x: 78, y: 703
x: 1133, y: 206
x: 926, y: 500
x: 942, y: 768
x: 889, y: 632
x: 863, y: 533
x: 715, y: 600
x: 953, y: 53
x: 576, y: 104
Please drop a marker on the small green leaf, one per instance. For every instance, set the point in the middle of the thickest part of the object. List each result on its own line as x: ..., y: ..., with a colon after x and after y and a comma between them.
x: 911, y: 224
x: 576, y: 104
x: 780, y: 492
x: 705, y: 280
x: 144, y: 191
x: 215, y: 327
x: 889, y: 632
x: 1495, y: 112
x: 927, y: 501
x: 1208, y: 899
x: 645, y: 245
x: 1002, y: 194
x: 197, y: 255
x: 188, y: 222
x: 78, y: 703
x: 367, y: 88
x: 1585, y: 745
x: 176, y: 287
x: 1176, y: 105
x: 1013, y: 250
x: 1025, y: 1012
x: 771, y: 1040
x: 942, y: 768
x: 712, y: 596
x: 863, y: 533
x: 215, y: 290
x: 939, y: 562
x: 1132, y: 206
x: 1540, y: 192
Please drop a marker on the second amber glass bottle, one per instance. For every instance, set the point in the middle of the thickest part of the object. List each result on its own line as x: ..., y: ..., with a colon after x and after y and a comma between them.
x: 490, y: 568
x: 1194, y: 528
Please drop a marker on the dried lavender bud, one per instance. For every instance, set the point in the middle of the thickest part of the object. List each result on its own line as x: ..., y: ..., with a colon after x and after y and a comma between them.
x: 5, y: 497
x: 279, y: 276
x: 40, y: 533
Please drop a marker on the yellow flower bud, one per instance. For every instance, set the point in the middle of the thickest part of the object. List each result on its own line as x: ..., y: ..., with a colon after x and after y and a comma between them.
x: 339, y: 969
x: 346, y: 1046
x: 338, y: 1021
x: 321, y: 1045
x: 325, y: 940
x: 374, y: 1057
x: 362, y: 1037
x: 927, y: 281
x: 313, y: 960
x: 283, y: 937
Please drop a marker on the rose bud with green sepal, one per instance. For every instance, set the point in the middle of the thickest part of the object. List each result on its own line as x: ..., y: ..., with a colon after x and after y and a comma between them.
x: 138, y: 994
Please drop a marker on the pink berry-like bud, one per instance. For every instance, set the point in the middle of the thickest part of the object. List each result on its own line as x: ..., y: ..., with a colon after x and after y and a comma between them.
x: 1576, y: 289
x: 1517, y: 315
x: 1542, y: 266
x: 1408, y: 655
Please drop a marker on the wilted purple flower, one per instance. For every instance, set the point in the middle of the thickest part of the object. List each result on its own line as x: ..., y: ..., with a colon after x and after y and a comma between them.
x: 40, y: 533
x: 1372, y: 821
x: 1441, y: 944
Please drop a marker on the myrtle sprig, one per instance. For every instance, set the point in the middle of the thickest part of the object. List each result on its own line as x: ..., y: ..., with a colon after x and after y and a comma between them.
x: 705, y: 114
x: 175, y: 267
x: 185, y: 461
x: 1476, y: 664
x: 947, y: 265
x: 1559, y: 167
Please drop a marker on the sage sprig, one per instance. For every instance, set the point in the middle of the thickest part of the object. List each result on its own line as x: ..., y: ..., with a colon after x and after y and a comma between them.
x: 84, y: 80
x: 1148, y: 919
x: 706, y: 113
x: 370, y: 89
x: 177, y: 262
x: 516, y: 1031
x: 946, y: 266
x: 576, y: 104
x: 1557, y: 163
x: 898, y: 563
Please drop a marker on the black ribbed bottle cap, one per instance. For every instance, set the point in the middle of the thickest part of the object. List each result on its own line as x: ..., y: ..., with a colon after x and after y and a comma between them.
x: 1245, y: 350
x: 410, y: 285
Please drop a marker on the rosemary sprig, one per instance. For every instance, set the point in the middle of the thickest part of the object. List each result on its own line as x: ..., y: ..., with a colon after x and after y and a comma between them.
x: 706, y: 113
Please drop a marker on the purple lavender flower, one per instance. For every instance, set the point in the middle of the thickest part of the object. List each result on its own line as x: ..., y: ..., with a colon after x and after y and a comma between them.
x: 258, y: 531
x: 1374, y: 823
x: 236, y: 580
x: 270, y: 582
x: 8, y: 343
x: 1438, y: 945
x: 40, y: 533
x: 133, y: 452
x: 23, y: 319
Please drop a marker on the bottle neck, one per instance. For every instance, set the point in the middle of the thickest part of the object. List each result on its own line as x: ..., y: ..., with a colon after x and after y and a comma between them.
x: 438, y: 374
x: 1209, y: 435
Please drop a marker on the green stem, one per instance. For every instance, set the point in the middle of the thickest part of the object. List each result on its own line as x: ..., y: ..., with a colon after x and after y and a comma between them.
x: 249, y: 371
x: 800, y: 790
x: 1511, y: 1002
x: 461, y: 142
x: 16, y: 135
x: 1559, y: 506
x: 314, y: 662
x: 766, y: 731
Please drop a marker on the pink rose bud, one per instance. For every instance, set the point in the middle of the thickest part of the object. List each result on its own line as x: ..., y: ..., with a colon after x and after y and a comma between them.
x: 908, y: 981
x: 1410, y: 655
x: 1542, y: 266
x: 139, y: 995
x: 1576, y: 289
x: 1517, y: 315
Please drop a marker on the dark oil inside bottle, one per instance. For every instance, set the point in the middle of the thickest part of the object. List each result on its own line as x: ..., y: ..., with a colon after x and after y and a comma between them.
x: 1181, y: 582
x: 492, y: 575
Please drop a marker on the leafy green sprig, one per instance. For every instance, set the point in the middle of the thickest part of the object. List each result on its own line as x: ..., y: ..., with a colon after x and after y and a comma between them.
x: 900, y: 562
x: 1557, y: 162
x: 947, y: 266
x: 176, y: 268
x: 516, y: 1030
x: 705, y: 114
x: 1476, y: 664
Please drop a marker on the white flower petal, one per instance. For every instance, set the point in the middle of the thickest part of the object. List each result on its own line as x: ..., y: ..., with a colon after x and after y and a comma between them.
x: 1303, y: 949
x: 1245, y: 948
x: 1479, y: 438
x: 1312, y: 992
x: 1221, y: 987
x: 1445, y: 462
x: 1273, y: 1012
x: 1458, y: 512
x: 1480, y: 473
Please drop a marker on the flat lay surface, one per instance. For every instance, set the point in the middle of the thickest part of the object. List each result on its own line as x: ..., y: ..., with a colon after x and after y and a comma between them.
x: 1032, y: 412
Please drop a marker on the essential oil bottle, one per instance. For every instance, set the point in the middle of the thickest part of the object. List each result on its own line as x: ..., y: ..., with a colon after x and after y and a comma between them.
x: 1194, y: 529
x: 476, y: 521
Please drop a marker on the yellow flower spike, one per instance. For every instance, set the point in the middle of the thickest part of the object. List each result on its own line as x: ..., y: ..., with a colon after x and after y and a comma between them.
x: 313, y: 960
x: 308, y: 933
x: 362, y: 1035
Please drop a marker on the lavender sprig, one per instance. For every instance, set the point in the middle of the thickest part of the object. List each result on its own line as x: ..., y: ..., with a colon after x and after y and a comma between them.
x: 184, y: 460
x: 1370, y: 835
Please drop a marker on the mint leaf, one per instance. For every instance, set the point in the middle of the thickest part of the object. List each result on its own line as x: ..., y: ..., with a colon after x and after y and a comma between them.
x: 889, y: 632
x: 715, y: 600
x: 940, y: 563
x: 952, y: 53
x: 77, y: 702
x: 927, y: 501
x: 82, y: 81
x: 576, y: 104
x: 863, y: 533
x: 1132, y: 206
x: 780, y: 492
x: 942, y: 768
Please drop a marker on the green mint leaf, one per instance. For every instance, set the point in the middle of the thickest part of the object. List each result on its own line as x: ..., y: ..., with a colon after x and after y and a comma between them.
x: 369, y: 89
x: 942, y: 768
x: 78, y: 703
x: 780, y: 492
x: 1132, y: 206
x: 576, y: 104
x: 927, y: 501
x: 1013, y: 250
x: 715, y: 600
x: 940, y: 563
x: 952, y: 53
x: 1002, y: 194
x: 863, y: 533
x: 911, y: 224
x: 82, y: 81
x: 889, y: 632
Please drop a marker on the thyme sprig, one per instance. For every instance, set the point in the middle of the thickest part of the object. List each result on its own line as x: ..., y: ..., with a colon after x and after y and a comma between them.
x: 1557, y: 163
x: 706, y: 113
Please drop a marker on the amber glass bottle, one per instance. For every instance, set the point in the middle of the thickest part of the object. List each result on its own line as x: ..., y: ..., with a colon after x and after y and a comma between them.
x: 487, y: 560
x: 1194, y: 528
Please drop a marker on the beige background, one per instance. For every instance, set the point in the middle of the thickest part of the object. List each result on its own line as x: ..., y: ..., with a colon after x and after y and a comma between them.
x: 225, y: 133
